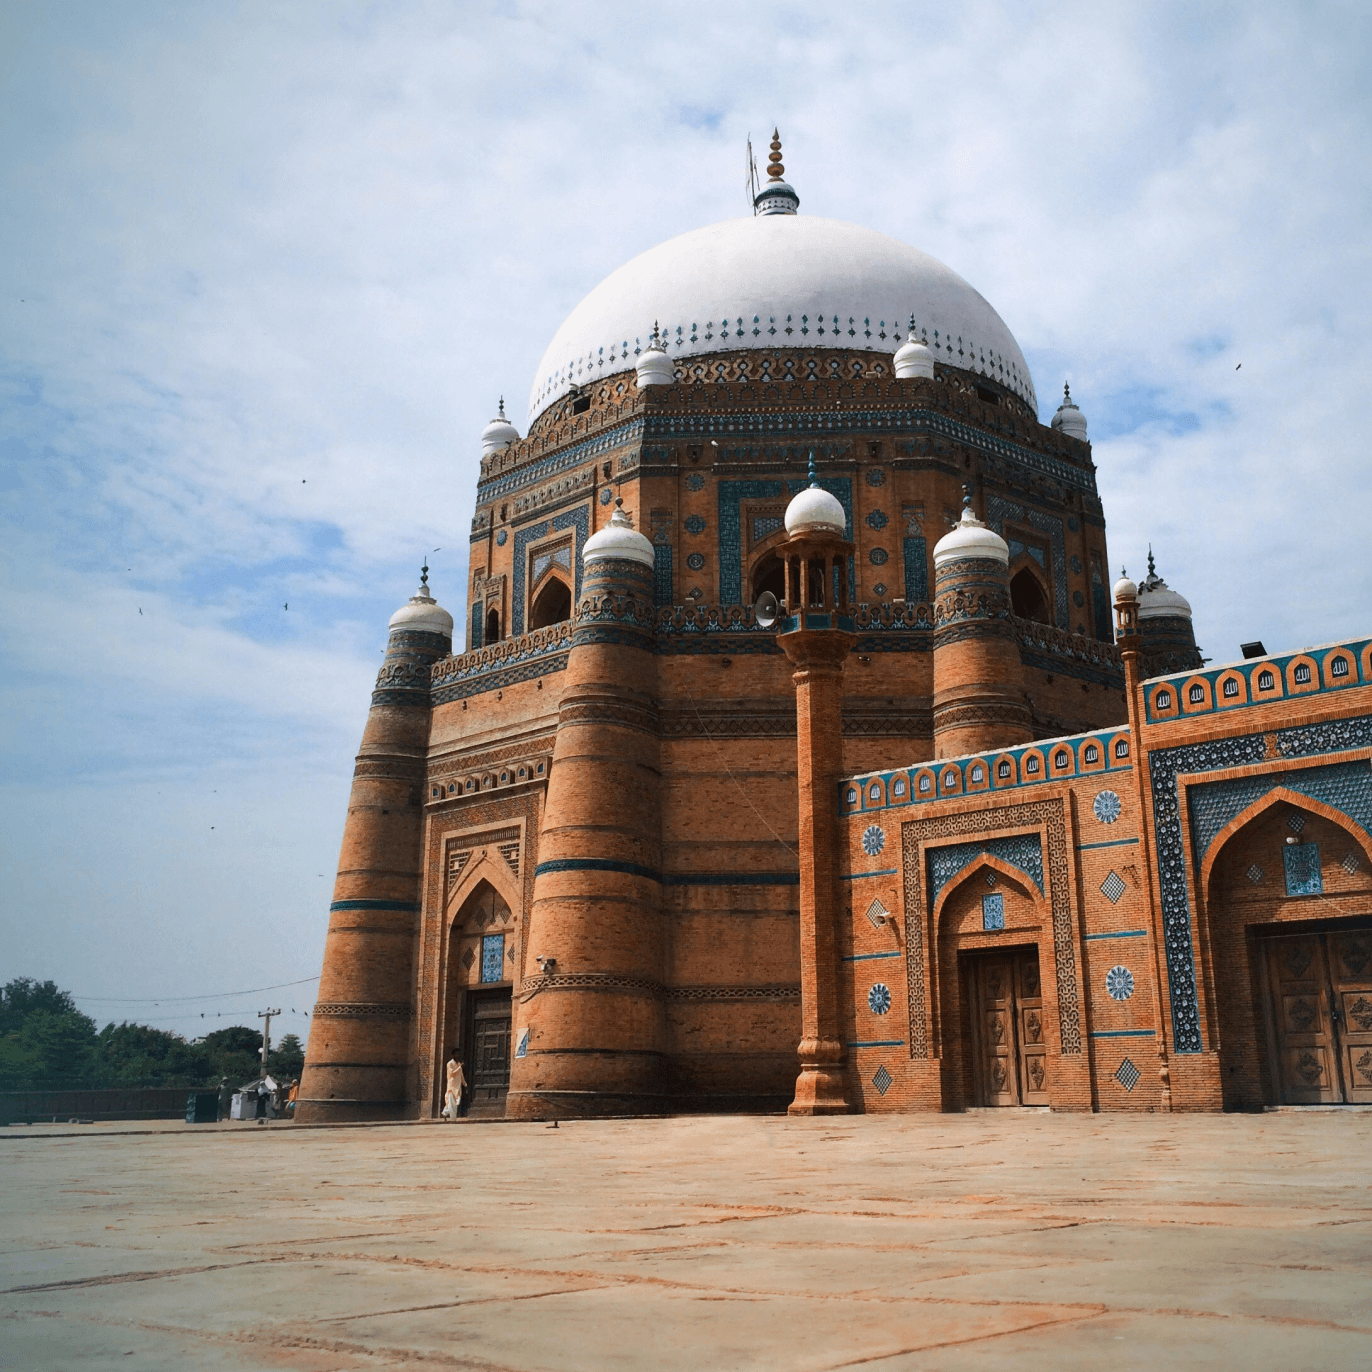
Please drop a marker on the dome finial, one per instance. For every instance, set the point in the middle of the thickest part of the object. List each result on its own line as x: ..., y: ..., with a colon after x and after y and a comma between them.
x: 502, y: 407
x: 774, y: 167
x: 775, y: 197
x: 424, y: 574
x: 1152, y: 569
x: 1066, y: 393
x: 814, y: 472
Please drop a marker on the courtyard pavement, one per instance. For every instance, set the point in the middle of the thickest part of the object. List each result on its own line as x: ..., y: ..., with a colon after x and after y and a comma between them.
x: 1007, y: 1239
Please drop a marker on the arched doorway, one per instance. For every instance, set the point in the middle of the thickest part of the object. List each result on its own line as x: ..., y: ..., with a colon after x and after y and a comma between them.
x: 996, y: 1015
x: 552, y: 604
x: 481, y: 956
x: 769, y: 575
x: 1289, y: 916
x: 1028, y: 598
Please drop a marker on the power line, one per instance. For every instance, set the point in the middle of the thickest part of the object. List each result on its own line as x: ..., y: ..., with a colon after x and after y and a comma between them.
x: 171, y: 1000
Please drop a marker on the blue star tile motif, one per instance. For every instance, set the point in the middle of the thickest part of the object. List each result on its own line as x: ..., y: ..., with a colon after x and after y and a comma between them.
x: 695, y: 561
x: 877, y: 520
x: 873, y: 840
x: 1106, y: 807
x: 876, y: 476
x: 501, y: 537
x: 1119, y: 982
x: 695, y: 524
x: 879, y: 999
x: 878, y: 557
x: 694, y: 481
x: 606, y: 496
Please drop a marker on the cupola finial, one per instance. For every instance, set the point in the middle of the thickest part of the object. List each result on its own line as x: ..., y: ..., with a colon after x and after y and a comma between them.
x: 776, y: 197
x: 424, y: 574
x: 1152, y: 569
x: 775, y: 170
x: 814, y: 472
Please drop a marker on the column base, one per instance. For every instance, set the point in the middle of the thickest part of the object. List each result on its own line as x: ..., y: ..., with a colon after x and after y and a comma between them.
x: 820, y: 1087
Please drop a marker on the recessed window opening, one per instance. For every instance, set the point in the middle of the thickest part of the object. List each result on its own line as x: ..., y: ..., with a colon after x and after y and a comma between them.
x: 852, y: 796
x: 1031, y: 766
x: 1060, y: 760
x: 950, y: 779
x: 1027, y: 599
x: 552, y: 604
x: 989, y: 396
x: 581, y: 404
x: 924, y: 785
x: 1197, y: 694
x: 1339, y: 667
x: 1122, y: 748
x: 978, y: 773
x: 874, y: 791
x: 1003, y: 769
x: 1163, y: 700
x: 1231, y: 688
x: 493, y: 626
x: 899, y: 788
x: 1302, y: 673
x: 1266, y: 681
x: 1092, y: 753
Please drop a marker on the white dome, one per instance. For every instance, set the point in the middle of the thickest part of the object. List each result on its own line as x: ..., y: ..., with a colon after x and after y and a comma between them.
x: 1157, y: 600
x: 422, y: 613
x: 654, y: 367
x: 499, y: 433
x: 814, y: 509
x: 1124, y: 589
x: 914, y: 359
x: 617, y: 539
x: 741, y: 285
x: 971, y: 538
x: 1069, y: 419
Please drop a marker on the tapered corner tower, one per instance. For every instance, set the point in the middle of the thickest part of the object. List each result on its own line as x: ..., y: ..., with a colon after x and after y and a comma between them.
x: 979, y: 700
x: 592, y: 1022
x: 357, y: 1064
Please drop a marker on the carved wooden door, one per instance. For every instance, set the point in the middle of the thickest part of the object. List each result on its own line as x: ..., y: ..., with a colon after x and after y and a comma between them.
x: 1033, y: 1050
x: 1349, y: 956
x: 1303, y: 1028
x: 994, y: 1000
x: 488, y: 1051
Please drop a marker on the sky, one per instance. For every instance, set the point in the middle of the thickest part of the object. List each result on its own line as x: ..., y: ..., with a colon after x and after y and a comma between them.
x: 266, y: 270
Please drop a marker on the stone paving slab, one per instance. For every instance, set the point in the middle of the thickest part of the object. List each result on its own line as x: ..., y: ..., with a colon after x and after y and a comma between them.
x: 994, y: 1239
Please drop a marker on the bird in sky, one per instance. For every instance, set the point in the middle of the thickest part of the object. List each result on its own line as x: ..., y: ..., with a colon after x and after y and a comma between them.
x: 140, y: 609
x: 1240, y: 365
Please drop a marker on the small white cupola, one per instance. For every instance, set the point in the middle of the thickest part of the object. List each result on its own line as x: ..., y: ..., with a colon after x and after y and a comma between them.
x: 776, y: 197
x: 914, y: 359
x: 1124, y: 588
x: 618, y: 538
x: 422, y: 613
x: 1069, y: 419
x: 498, y: 434
x: 1157, y: 600
x: 971, y: 538
x: 814, y: 510
x: 654, y: 367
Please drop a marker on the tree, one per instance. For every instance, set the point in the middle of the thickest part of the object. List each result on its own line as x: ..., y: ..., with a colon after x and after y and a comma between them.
x: 287, y: 1060
x: 236, y: 1053
x: 139, y: 1055
x: 45, y: 1041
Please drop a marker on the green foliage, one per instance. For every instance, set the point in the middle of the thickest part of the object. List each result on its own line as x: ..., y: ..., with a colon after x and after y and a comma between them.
x: 287, y: 1060
x: 47, y: 1044
x: 44, y: 1039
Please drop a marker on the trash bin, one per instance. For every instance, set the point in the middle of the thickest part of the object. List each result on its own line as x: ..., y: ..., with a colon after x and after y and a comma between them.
x: 202, y: 1107
x: 243, y: 1107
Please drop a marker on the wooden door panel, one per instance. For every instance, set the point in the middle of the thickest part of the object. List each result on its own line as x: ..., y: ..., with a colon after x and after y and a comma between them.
x: 1349, y: 957
x: 489, y: 1052
x: 1307, y: 1060
x: 1033, y: 1047
x: 996, y: 1023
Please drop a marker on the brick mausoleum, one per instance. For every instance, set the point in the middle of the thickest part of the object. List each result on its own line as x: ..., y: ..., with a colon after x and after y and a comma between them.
x: 803, y: 756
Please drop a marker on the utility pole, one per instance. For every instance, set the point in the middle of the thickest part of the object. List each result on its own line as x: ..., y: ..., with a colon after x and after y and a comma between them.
x: 267, y: 1015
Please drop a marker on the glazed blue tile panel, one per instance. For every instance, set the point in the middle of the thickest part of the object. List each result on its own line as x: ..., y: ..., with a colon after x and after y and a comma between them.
x: 998, y: 510
x: 1023, y: 852
x: 1302, y: 864
x: 1331, y: 737
x: 993, y: 913
x: 1100, y: 601
x: 731, y: 494
x: 662, y: 574
x: 1343, y: 786
x: 1164, y: 764
x: 493, y: 957
x: 474, y: 642
x: 916, y: 570
x: 578, y: 519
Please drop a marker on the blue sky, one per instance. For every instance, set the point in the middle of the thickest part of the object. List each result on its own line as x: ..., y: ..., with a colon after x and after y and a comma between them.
x: 265, y: 270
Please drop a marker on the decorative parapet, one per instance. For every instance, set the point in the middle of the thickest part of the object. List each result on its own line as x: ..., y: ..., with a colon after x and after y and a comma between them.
x: 501, y: 664
x: 884, y: 618
x: 1042, y: 645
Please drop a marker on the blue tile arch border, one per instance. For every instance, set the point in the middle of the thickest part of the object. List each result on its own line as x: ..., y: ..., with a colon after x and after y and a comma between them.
x: 1164, y: 766
x: 579, y: 520
x: 1023, y: 852
x: 732, y: 494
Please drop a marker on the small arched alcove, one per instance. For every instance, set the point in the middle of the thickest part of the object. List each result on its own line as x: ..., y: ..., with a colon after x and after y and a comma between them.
x: 492, y: 625
x: 1029, y: 596
x: 552, y: 603
x: 769, y: 575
